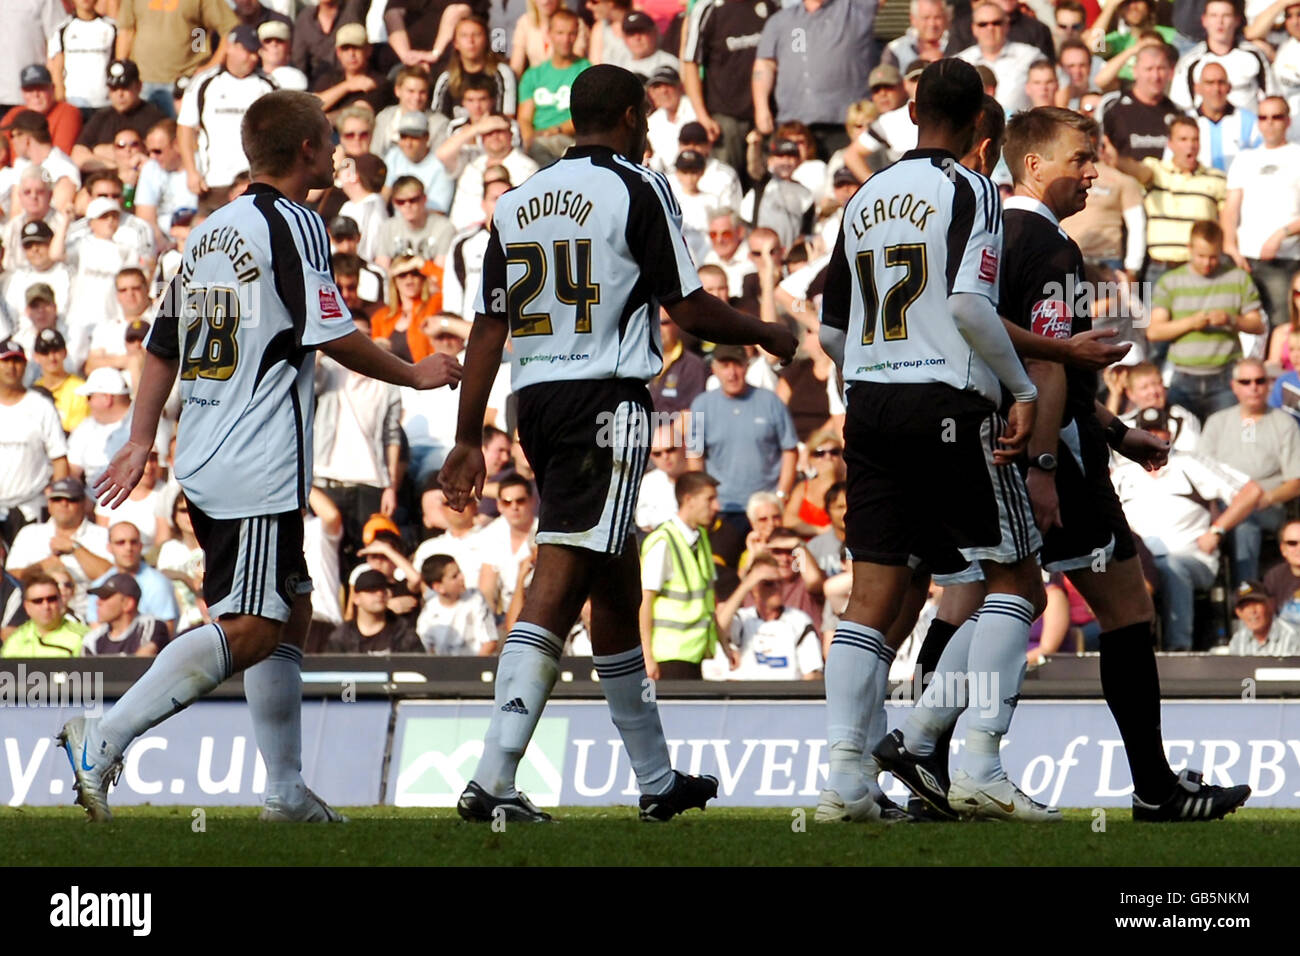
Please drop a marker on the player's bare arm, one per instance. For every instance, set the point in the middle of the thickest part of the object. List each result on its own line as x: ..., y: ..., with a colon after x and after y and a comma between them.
x: 127, y: 466
x: 361, y: 354
x: 1045, y: 440
x: 1137, y: 444
x: 983, y: 329
x: 1088, y: 350
x: 710, y: 318
x: 463, y: 473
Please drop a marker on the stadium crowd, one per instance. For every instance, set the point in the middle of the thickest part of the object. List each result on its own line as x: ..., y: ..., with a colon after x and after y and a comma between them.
x: 120, y: 123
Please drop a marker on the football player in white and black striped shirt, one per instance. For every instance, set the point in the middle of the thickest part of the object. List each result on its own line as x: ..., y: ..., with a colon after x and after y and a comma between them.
x: 580, y: 259
x: 241, y: 321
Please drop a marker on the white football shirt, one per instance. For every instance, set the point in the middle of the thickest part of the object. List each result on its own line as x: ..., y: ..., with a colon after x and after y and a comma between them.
x: 580, y: 258
x: 916, y: 232
x: 253, y: 298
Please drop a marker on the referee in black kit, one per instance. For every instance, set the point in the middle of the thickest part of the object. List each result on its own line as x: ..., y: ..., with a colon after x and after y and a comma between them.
x: 581, y: 256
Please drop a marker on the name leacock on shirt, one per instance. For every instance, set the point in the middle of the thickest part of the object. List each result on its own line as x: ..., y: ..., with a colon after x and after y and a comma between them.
x: 899, y: 206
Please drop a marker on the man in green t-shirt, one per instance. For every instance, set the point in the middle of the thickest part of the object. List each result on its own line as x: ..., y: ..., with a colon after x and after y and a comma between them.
x: 544, y: 123
x: 1199, y: 308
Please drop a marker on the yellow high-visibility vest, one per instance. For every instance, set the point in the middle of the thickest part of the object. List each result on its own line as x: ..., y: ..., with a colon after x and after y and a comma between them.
x: 684, y: 626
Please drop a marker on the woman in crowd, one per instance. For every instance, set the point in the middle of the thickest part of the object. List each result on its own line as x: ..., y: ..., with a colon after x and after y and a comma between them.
x: 398, y: 323
x: 805, y: 511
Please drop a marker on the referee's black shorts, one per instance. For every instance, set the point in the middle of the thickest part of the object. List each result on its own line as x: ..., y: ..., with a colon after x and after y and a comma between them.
x: 922, y: 479
x: 588, y: 442
x: 252, y: 565
x: 1093, y: 528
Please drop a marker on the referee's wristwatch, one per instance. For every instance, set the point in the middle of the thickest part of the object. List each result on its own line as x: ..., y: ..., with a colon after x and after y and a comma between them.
x: 1045, y: 462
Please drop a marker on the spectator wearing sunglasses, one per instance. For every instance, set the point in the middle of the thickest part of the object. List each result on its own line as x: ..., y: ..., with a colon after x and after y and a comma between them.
x: 805, y: 510
x: 1264, y: 444
x: 1282, y: 582
x: 49, y: 631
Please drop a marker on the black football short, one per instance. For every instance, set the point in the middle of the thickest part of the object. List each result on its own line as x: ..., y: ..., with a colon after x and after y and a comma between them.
x: 1093, y: 528
x: 588, y: 443
x: 252, y: 565
x: 921, y: 479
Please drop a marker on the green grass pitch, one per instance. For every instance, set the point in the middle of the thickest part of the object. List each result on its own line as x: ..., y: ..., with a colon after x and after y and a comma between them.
x: 725, y: 836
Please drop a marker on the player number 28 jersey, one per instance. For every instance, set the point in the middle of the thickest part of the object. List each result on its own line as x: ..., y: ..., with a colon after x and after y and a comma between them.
x: 253, y: 297
x: 916, y: 232
x: 580, y: 257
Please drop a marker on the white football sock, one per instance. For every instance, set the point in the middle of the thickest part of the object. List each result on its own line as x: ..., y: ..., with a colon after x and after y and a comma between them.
x: 851, y: 663
x: 997, y: 668
x: 623, y: 680
x: 273, y: 688
x: 183, y: 671
x: 526, y: 672
x: 937, y: 710
x: 877, y: 728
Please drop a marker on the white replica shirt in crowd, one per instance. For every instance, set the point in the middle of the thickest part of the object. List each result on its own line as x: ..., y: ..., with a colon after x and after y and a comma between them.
x: 663, y: 131
x: 1169, y: 509
x: 58, y: 165
x: 462, y: 271
x: 1269, y: 180
x: 786, y: 648
x: 495, y: 550
x: 467, y: 205
x: 460, y: 630
x: 91, y: 446
x: 253, y: 300
x: 1248, y: 71
x: 466, y: 551
x: 87, y: 48
x: 32, y: 545
x: 165, y: 191
x: 215, y: 103
x: 141, y: 512
x: 722, y: 183
x: 96, y: 263
x: 321, y: 550
x: 16, y: 284
x: 656, y: 502
x: 369, y: 213
x: 30, y: 438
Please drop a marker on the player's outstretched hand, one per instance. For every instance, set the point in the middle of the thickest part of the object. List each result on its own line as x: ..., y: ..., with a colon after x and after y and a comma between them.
x: 122, y: 474
x: 780, y: 342
x: 1090, y: 349
x: 436, y: 371
x: 1148, y: 450
x: 462, y: 475
x: 1020, y: 423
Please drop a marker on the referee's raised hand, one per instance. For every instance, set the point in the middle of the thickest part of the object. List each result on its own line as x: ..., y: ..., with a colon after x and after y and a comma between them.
x: 436, y: 371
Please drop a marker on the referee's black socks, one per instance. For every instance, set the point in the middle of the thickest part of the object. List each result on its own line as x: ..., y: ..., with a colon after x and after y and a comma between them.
x: 1131, y: 685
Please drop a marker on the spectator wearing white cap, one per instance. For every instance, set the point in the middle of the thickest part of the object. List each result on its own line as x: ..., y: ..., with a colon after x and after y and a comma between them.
x: 672, y: 111
x: 412, y: 156
x: 34, y: 447
x: 275, y: 36
x: 41, y: 267
x: 95, y: 260
x: 495, y: 135
x: 120, y: 627
x: 212, y: 111
x: 93, y: 443
x: 80, y: 49
x: 38, y: 96
x: 163, y: 186
x: 352, y: 80
x: 125, y: 110
x: 68, y: 540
